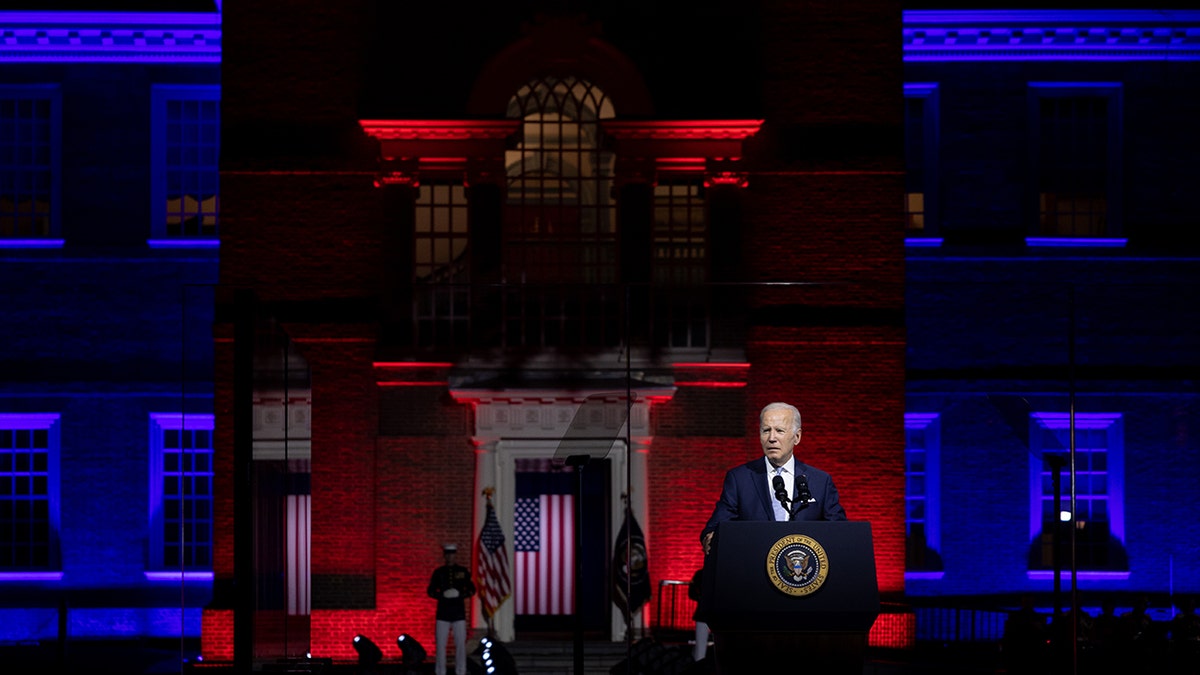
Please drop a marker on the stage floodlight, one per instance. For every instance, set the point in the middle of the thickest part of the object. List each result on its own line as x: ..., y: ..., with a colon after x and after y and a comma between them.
x: 412, y: 653
x: 369, y: 653
x: 496, y: 658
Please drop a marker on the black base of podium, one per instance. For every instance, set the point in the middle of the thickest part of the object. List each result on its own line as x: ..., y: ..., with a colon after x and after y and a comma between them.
x: 842, y: 653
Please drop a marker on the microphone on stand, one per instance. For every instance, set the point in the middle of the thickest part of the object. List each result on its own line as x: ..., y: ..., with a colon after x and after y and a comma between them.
x: 803, y: 494
x: 781, y: 492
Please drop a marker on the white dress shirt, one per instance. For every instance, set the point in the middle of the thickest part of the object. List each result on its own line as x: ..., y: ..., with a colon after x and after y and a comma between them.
x: 788, y: 471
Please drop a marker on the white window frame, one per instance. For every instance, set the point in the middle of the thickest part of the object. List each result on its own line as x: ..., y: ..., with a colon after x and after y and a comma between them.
x: 1113, y: 426
x: 160, y: 95
x: 930, y: 120
x: 930, y: 423
x: 49, y: 422
x: 160, y: 423
x: 1113, y: 92
x: 52, y: 93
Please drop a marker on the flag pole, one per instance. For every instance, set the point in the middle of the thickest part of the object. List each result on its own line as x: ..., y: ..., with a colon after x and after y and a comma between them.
x: 492, y: 562
x: 625, y: 497
x: 578, y: 462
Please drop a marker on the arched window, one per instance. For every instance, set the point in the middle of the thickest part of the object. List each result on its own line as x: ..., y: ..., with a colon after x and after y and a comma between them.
x: 560, y: 224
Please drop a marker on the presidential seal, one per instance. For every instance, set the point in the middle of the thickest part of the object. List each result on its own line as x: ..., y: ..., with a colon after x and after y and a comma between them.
x: 797, y: 564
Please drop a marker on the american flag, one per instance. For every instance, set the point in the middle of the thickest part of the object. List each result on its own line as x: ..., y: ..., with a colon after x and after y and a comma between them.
x: 494, y: 585
x: 544, y: 536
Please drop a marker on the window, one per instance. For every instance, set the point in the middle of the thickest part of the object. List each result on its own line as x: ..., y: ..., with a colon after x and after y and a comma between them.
x: 29, y: 158
x: 1077, y: 159
x: 559, y: 224
x: 185, y: 128
x: 441, y: 268
x: 922, y: 518
x: 181, y: 492
x: 29, y: 449
x: 920, y: 159
x: 680, y: 233
x: 1099, y: 467
x: 680, y: 264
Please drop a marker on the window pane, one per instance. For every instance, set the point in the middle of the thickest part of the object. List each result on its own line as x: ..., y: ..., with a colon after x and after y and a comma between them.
x: 25, y: 491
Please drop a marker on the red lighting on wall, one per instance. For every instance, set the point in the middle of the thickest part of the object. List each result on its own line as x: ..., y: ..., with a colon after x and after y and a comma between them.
x: 415, y: 373
x: 445, y: 130
x: 715, y: 375
x: 897, y: 630
x: 734, y: 178
x: 683, y: 129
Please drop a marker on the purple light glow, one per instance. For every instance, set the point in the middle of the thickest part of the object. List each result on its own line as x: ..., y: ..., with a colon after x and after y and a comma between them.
x: 1073, y: 242
x: 1051, y: 16
x: 31, y: 576
x: 184, y: 243
x: 110, y: 18
x: 31, y: 243
x: 923, y: 242
x: 178, y: 576
x: 1047, y: 575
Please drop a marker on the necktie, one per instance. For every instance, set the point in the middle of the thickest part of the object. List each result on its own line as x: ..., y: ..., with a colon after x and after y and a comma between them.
x: 781, y: 513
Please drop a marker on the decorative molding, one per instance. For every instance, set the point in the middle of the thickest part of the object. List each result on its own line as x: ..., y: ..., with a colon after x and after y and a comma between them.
x: 277, y: 418
x: 564, y: 416
x: 400, y: 178
x: 1051, y: 35
x: 557, y: 419
x: 738, y: 179
x: 1017, y: 35
x: 439, y: 130
x: 686, y: 130
x: 110, y: 37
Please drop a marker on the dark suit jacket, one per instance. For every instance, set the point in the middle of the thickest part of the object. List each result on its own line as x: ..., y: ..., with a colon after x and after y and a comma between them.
x: 745, y: 496
x: 447, y: 577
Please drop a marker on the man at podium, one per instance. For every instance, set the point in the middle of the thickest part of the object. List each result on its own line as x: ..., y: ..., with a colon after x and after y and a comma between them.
x: 778, y: 486
x: 813, y: 602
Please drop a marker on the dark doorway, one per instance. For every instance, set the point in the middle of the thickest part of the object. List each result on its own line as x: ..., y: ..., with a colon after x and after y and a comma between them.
x: 544, y: 548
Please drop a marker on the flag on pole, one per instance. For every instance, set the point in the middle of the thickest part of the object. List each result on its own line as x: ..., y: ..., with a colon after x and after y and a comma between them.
x: 494, y: 585
x: 631, y: 577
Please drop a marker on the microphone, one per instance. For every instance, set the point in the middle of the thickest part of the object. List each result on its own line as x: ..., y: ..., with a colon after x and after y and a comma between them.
x: 803, y: 494
x: 781, y: 492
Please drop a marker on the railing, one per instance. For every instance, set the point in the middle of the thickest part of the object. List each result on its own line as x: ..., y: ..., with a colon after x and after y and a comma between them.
x: 580, y: 316
x: 673, y: 612
x: 955, y: 625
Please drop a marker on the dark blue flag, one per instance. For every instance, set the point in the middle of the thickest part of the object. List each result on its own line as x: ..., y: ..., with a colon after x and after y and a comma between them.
x: 631, y: 577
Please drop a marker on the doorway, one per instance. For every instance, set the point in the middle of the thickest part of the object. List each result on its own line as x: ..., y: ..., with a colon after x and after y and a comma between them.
x: 549, y: 594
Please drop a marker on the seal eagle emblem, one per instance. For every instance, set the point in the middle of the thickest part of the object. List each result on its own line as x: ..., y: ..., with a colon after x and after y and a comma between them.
x: 797, y: 564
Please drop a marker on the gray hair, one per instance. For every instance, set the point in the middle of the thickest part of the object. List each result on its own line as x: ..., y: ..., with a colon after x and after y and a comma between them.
x: 779, y: 405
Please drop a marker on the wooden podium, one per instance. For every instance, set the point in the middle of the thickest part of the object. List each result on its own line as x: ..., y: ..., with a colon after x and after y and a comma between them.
x: 794, y: 596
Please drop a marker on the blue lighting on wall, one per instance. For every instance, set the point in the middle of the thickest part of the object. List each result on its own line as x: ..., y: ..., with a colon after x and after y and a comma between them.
x: 31, y: 243
x: 1075, y: 242
x: 986, y: 35
x: 184, y: 243
x: 923, y: 242
x: 31, y: 576
x: 1052, y: 35
x: 110, y: 37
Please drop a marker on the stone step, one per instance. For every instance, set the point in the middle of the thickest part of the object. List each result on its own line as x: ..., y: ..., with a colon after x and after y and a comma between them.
x: 558, y: 656
x: 542, y: 657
